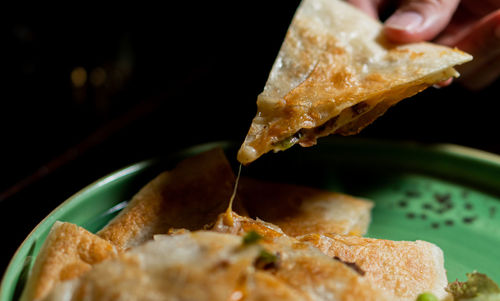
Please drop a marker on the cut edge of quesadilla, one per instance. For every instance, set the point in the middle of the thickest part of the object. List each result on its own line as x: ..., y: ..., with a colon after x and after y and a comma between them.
x: 333, y: 69
x: 355, y: 118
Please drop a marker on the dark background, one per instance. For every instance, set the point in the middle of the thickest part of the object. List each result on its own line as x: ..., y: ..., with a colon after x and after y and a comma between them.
x: 160, y: 79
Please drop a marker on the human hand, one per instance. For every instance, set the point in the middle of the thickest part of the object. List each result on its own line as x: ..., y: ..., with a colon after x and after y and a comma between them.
x: 470, y: 25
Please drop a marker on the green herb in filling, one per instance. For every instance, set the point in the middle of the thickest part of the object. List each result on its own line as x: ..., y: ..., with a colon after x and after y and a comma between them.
x: 251, y: 237
x: 266, y: 260
x: 288, y: 142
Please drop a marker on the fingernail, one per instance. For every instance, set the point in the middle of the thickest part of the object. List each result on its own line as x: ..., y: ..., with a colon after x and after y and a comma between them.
x: 443, y: 83
x: 405, y: 21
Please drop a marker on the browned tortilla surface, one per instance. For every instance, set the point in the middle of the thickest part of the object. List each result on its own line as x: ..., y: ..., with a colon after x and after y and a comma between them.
x: 403, y: 268
x: 190, y: 196
x: 300, y: 210
x: 68, y: 252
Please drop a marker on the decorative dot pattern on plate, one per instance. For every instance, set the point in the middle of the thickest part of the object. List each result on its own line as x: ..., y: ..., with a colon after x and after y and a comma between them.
x: 461, y: 220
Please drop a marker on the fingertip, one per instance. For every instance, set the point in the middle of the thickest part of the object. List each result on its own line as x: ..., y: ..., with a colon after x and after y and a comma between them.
x: 444, y: 83
x: 403, y: 27
x: 398, y: 35
x: 417, y: 21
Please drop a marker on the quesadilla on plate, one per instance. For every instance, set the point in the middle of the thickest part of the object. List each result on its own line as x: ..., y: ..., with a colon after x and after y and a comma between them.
x: 68, y: 252
x: 405, y: 269
x: 178, y: 240
x: 204, y: 265
x: 190, y: 196
x: 336, y: 73
x: 300, y: 210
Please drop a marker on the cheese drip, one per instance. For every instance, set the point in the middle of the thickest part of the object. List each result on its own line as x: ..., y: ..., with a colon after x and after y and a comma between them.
x: 228, y: 216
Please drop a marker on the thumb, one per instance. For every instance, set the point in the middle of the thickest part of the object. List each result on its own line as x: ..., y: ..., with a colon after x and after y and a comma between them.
x: 419, y: 20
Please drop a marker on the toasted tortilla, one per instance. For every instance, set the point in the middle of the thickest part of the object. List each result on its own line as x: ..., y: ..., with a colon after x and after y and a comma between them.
x: 210, y: 266
x: 336, y: 73
x: 300, y: 210
x: 67, y: 252
x: 405, y: 269
x: 402, y: 269
x: 191, y: 196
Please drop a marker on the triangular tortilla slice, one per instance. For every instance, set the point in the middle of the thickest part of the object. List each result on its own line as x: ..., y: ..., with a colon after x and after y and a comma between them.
x: 209, y: 266
x: 300, y: 210
x: 402, y: 269
x: 405, y: 269
x: 335, y: 72
x: 190, y: 196
x: 68, y: 252
x: 306, y: 272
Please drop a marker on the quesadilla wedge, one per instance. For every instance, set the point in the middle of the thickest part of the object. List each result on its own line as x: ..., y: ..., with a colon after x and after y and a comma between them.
x: 300, y: 210
x: 211, y: 266
x: 190, y: 196
x: 402, y: 269
x: 405, y: 269
x: 67, y: 252
x: 336, y: 73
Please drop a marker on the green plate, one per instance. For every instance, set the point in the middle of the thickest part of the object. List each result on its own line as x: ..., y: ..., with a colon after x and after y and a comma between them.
x: 445, y: 194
